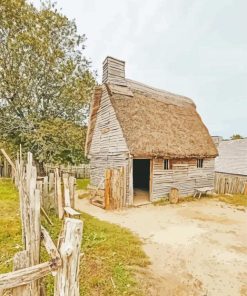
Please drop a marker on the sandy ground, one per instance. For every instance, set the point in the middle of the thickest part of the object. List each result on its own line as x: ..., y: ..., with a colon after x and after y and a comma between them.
x: 195, y: 248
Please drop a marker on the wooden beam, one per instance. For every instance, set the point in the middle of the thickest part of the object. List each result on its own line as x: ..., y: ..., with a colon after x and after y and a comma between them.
x: 50, y: 246
x: 46, y: 216
x: 8, y: 159
x: 131, y: 188
x: 27, y: 275
x: 107, y: 188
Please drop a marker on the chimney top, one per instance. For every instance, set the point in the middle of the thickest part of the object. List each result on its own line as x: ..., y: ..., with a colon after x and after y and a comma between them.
x: 114, y: 71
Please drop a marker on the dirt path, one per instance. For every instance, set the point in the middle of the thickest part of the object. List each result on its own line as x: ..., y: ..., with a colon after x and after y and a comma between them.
x: 196, y: 248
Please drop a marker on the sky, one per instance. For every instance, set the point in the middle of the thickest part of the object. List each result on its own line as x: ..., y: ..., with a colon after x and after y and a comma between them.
x: 194, y: 48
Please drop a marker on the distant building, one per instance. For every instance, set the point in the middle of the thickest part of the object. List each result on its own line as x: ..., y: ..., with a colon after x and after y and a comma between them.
x: 232, y: 157
x: 217, y: 140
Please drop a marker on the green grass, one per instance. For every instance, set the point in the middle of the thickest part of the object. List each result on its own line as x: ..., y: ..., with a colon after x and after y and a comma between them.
x: 10, y: 228
x: 111, y: 253
x: 82, y: 183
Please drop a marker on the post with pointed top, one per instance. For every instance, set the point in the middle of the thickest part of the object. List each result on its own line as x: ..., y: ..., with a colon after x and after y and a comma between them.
x: 67, y: 278
x: 31, y: 218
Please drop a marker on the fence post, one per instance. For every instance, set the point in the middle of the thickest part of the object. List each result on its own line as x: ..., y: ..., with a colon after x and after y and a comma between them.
x: 20, y: 261
x: 107, y: 188
x: 67, y: 282
x: 51, y: 181
x: 72, y: 191
x: 31, y: 215
x: 59, y: 194
x: 245, y: 188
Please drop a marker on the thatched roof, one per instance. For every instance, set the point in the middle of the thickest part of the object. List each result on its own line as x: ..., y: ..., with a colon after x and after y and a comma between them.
x: 232, y: 157
x: 155, y: 123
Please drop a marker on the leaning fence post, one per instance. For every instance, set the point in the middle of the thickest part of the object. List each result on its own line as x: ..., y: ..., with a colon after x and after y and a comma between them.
x: 67, y: 278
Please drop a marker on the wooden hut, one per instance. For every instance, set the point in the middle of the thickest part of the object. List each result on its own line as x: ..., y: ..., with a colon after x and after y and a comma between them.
x: 157, y: 136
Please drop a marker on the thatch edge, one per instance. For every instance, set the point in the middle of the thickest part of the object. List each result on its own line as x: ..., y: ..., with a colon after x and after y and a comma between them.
x: 91, y: 124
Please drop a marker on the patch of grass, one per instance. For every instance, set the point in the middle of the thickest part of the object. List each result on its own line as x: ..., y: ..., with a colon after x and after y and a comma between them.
x: 163, y: 201
x: 10, y: 226
x: 82, y: 183
x: 236, y: 199
x: 111, y: 253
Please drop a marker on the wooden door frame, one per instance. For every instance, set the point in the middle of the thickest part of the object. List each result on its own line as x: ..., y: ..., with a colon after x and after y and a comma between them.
x: 131, y: 178
x: 151, y: 167
x: 131, y: 187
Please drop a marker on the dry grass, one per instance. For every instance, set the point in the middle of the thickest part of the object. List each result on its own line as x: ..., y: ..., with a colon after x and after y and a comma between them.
x: 234, y: 199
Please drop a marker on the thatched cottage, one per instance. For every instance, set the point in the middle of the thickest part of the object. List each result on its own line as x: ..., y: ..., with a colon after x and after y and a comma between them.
x: 156, y: 135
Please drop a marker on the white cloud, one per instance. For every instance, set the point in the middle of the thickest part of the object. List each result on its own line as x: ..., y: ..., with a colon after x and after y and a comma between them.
x: 195, y: 48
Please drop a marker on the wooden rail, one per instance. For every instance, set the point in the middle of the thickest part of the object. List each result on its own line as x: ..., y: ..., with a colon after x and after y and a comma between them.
x: 25, y: 276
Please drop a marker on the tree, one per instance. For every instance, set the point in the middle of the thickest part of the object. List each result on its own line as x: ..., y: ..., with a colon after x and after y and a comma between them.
x: 236, y: 137
x: 45, y: 82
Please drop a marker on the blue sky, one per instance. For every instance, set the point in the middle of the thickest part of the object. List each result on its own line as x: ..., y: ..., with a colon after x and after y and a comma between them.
x: 197, y: 48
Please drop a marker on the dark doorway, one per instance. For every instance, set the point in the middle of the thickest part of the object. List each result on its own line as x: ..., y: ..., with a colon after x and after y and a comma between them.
x: 141, y: 177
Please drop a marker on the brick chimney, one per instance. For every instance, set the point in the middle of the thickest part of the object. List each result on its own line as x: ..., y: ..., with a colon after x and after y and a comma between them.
x: 114, y: 71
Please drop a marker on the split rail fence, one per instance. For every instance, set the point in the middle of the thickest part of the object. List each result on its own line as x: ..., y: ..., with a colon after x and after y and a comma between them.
x: 26, y: 279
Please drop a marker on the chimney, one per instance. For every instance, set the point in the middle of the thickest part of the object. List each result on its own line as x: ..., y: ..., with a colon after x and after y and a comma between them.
x: 217, y: 140
x: 114, y: 71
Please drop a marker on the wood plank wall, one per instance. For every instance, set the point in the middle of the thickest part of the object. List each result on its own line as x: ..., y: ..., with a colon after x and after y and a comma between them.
x: 108, y: 148
x: 184, y: 175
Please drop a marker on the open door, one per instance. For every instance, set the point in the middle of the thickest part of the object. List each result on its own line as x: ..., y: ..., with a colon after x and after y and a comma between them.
x: 141, y: 180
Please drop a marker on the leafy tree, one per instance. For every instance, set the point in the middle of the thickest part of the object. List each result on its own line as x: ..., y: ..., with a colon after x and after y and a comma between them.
x: 45, y: 82
x: 236, y: 137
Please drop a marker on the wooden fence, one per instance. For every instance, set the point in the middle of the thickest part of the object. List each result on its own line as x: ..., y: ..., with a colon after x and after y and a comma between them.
x: 230, y: 184
x: 58, y: 192
x: 81, y: 171
x: 28, y: 272
x: 114, y: 194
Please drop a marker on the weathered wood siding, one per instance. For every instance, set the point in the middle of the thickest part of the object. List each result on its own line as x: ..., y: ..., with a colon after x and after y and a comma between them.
x: 183, y: 175
x: 230, y: 183
x: 108, y: 148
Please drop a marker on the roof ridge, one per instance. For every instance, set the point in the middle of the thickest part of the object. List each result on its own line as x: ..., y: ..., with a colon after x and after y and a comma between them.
x: 160, y: 92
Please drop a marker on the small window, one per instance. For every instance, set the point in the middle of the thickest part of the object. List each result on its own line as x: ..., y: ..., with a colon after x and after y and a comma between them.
x: 200, y: 163
x: 166, y: 164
